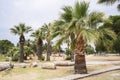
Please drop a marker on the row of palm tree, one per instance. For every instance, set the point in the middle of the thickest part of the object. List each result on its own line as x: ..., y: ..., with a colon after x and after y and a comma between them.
x: 76, y: 26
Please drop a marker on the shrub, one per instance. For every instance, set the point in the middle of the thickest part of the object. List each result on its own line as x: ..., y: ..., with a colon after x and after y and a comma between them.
x: 15, y: 58
x: 43, y: 58
x: 68, y: 58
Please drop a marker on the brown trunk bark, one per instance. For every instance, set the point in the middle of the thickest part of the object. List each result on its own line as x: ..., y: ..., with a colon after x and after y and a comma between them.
x: 22, y: 40
x: 80, y: 63
x: 48, y: 51
x: 39, y: 49
x: 72, y: 56
x: 21, y: 52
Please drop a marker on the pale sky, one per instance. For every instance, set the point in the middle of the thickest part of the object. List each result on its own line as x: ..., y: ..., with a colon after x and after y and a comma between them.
x: 35, y: 13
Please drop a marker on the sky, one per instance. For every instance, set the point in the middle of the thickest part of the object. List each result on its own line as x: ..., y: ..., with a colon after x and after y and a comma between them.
x: 35, y: 13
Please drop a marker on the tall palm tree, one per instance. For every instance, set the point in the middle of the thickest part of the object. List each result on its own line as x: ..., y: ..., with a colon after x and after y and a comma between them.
x: 46, y: 30
x: 20, y: 30
x: 38, y: 34
x: 84, y: 29
x: 110, y: 2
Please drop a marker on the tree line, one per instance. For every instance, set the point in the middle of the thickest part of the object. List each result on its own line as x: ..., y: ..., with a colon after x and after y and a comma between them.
x: 77, y: 28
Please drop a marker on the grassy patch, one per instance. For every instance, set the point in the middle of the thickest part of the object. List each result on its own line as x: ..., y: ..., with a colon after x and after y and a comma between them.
x: 34, y: 73
x: 3, y: 58
x: 43, y: 74
x: 99, y: 67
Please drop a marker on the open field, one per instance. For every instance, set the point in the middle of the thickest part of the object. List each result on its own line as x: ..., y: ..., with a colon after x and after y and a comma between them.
x: 34, y: 73
x: 43, y: 74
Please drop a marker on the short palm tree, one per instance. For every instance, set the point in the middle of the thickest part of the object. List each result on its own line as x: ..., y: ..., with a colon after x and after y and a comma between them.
x: 46, y: 31
x: 84, y: 28
x: 38, y: 34
x: 20, y: 30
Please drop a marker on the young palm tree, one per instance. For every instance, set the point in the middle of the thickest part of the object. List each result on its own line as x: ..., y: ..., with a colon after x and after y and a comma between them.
x: 46, y: 31
x: 20, y: 30
x: 84, y: 29
x: 38, y: 34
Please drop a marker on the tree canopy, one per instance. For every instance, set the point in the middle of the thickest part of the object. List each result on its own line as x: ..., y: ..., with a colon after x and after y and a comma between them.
x: 5, y: 46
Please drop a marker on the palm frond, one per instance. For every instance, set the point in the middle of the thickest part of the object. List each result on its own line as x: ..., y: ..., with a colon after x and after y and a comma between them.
x: 28, y: 29
x: 58, y: 22
x: 72, y: 25
x: 13, y: 31
x: 107, y: 1
x: 80, y: 9
x: 118, y: 7
x: 88, y: 35
x: 62, y: 38
x: 106, y: 37
x: 67, y: 14
x: 94, y: 19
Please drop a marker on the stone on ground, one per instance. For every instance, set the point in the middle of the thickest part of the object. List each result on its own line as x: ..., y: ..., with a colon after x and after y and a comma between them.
x: 5, y: 65
x: 34, y: 64
x: 64, y: 63
x: 48, y: 66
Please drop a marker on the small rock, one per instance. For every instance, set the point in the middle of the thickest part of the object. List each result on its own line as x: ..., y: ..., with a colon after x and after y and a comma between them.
x: 23, y: 65
x: 5, y: 65
x: 34, y: 64
x: 48, y: 66
x: 64, y: 63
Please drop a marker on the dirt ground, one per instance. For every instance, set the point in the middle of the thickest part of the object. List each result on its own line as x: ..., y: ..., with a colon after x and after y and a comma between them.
x: 43, y: 74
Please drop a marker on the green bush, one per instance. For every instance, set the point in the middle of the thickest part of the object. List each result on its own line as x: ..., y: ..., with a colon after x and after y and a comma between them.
x: 68, y: 58
x: 15, y: 58
x: 68, y: 52
x: 43, y: 58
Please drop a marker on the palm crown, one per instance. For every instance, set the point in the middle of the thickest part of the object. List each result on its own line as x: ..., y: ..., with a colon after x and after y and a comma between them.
x: 20, y: 29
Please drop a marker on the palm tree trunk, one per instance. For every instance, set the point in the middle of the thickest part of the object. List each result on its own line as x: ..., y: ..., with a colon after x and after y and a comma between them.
x: 21, y: 52
x: 22, y: 40
x: 80, y: 63
x: 72, y: 56
x: 48, y: 51
x: 39, y: 49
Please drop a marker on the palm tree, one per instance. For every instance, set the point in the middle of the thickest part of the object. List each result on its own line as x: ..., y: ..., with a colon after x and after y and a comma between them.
x: 38, y: 34
x: 61, y: 24
x: 46, y: 30
x: 20, y: 30
x: 110, y: 2
x: 84, y: 29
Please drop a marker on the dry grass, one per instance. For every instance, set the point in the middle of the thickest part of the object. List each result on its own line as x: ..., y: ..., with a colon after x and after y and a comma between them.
x: 34, y: 73
x: 99, y: 67
x: 42, y: 74
x: 112, y: 75
x: 102, y: 58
